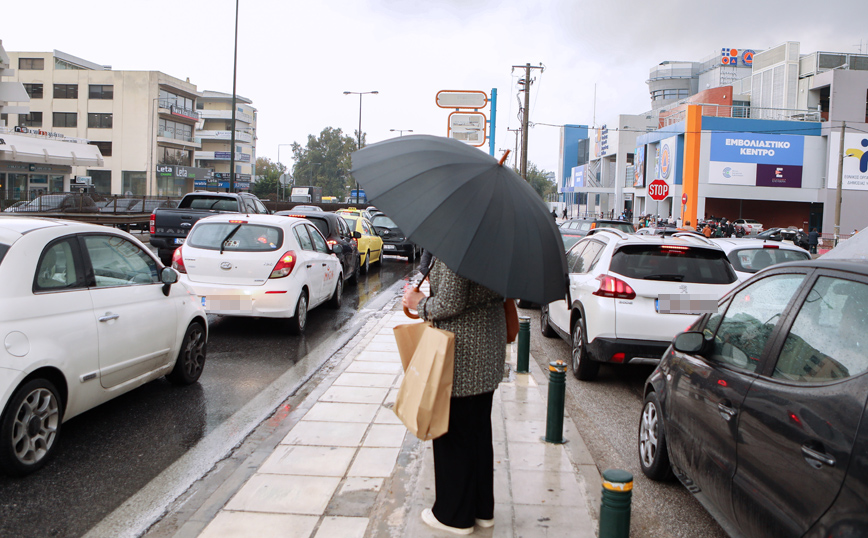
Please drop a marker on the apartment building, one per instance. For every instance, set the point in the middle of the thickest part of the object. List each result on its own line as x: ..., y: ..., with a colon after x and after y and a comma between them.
x: 215, y: 132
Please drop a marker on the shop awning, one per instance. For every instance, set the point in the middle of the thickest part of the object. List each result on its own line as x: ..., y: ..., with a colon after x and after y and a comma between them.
x: 28, y: 149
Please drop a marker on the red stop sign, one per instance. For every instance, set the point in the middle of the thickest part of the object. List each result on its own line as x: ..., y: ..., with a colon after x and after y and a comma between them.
x: 658, y: 190
x: 684, y: 198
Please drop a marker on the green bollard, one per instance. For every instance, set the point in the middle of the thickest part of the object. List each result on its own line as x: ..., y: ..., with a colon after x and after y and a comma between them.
x: 522, y: 362
x: 615, y: 504
x: 555, y: 413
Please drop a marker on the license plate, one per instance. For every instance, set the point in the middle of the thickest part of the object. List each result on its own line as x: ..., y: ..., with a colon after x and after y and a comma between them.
x: 682, y: 303
x: 179, y: 240
x: 389, y: 247
x: 227, y: 303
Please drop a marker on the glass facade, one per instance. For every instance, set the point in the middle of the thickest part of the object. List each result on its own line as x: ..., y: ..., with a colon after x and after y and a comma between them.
x: 173, y: 129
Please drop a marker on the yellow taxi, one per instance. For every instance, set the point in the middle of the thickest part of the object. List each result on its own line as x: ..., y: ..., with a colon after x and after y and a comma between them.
x: 370, y: 244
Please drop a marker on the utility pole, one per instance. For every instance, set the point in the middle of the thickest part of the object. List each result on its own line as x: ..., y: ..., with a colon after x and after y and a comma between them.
x: 526, y: 113
x: 515, y: 159
x: 838, y: 193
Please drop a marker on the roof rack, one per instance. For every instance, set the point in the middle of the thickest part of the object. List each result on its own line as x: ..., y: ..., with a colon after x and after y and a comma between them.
x: 615, y: 231
x: 692, y: 235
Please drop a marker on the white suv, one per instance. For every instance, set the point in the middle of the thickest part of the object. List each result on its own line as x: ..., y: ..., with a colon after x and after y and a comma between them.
x: 631, y: 294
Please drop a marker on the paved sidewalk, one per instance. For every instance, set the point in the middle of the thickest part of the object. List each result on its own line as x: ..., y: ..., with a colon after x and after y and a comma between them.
x: 349, y: 469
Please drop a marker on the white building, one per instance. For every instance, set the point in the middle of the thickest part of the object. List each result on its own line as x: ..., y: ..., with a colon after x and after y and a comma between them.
x: 215, y: 132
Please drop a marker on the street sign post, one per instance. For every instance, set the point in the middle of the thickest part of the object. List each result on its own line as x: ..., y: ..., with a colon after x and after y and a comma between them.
x: 462, y: 99
x: 658, y: 190
x: 467, y: 127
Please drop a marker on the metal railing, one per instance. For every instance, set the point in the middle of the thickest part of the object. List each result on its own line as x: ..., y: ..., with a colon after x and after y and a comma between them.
x: 731, y: 111
x: 87, y: 202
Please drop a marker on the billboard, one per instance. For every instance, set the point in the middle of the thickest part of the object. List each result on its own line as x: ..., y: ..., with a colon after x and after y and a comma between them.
x: 855, y: 170
x: 578, y: 178
x: 639, y: 167
x: 763, y: 160
x: 667, y: 159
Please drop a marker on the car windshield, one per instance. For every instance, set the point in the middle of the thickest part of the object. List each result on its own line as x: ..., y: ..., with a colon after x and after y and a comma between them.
x: 623, y: 226
x: 384, y: 221
x: 750, y: 221
x: 570, y: 240
x: 751, y: 260
x: 248, y: 237
x: 351, y: 221
x: 674, y: 263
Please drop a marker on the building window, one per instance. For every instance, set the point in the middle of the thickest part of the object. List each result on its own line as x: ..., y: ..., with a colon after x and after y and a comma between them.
x: 102, y: 180
x: 34, y: 90
x: 34, y: 119
x: 181, y: 157
x: 64, y: 119
x: 64, y: 65
x: 134, y: 183
x: 105, y: 148
x: 66, y: 91
x: 31, y: 64
x: 99, y: 121
x: 173, y: 129
x: 100, y: 91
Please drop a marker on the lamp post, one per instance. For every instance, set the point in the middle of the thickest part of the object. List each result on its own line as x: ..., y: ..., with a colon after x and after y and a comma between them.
x: 234, y: 107
x: 279, y: 164
x: 401, y: 131
x: 360, y: 94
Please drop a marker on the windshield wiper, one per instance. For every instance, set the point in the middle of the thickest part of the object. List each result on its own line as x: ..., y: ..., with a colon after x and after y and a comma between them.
x: 673, y: 278
x: 228, y: 237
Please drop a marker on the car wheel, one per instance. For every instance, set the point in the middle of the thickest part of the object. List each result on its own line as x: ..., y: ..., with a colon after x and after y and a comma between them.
x: 299, y: 320
x: 335, y: 301
x: 366, y: 267
x: 584, y: 368
x: 544, y: 326
x: 653, y: 453
x: 191, y: 358
x: 165, y: 255
x: 30, y: 428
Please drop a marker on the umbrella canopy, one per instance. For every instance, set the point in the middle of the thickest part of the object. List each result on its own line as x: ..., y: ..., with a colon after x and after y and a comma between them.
x: 855, y: 248
x: 480, y: 218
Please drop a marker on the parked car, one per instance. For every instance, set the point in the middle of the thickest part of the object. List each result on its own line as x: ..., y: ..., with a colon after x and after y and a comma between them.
x: 308, y: 208
x: 370, y: 244
x: 394, y: 240
x: 759, y: 409
x: 749, y: 256
x: 583, y: 226
x: 57, y: 203
x: 779, y: 234
x: 751, y: 227
x: 89, y: 314
x: 630, y: 294
x: 336, y: 232
x: 260, y: 266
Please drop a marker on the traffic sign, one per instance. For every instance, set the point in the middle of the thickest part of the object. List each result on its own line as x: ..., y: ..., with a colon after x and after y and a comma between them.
x: 467, y: 127
x: 462, y: 99
x: 684, y: 198
x: 658, y: 190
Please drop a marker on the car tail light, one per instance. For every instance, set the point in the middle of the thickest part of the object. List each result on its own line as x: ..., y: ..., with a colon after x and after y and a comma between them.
x: 618, y: 357
x: 332, y: 242
x: 614, y: 287
x: 771, y: 246
x: 674, y: 247
x: 284, y: 266
x: 178, y: 261
x: 152, y: 228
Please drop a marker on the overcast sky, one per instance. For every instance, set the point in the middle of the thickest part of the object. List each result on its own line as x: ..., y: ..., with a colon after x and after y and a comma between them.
x: 296, y: 58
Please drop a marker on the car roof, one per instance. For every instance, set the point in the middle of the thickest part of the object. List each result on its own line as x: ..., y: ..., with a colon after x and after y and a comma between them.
x: 728, y: 244
x: 251, y: 218
x: 308, y: 213
x: 851, y: 266
x: 683, y: 239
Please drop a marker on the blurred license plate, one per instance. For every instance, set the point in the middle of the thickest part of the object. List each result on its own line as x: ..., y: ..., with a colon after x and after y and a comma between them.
x: 227, y: 303
x: 389, y: 247
x: 179, y: 240
x: 683, y: 303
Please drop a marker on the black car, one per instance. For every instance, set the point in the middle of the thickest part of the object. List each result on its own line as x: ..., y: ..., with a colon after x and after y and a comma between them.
x: 395, y: 242
x: 336, y: 232
x: 759, y: 408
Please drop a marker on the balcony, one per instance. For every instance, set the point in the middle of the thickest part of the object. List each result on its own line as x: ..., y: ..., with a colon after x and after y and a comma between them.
x: 225, y: 135
x: 676, y: 113
x: 225, y: 115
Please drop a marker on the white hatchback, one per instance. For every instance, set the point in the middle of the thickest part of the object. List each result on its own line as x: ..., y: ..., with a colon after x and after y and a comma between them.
x: 88, y: 314
x: 629, y: 295
x: 260, y: 266
x: 749, y: 256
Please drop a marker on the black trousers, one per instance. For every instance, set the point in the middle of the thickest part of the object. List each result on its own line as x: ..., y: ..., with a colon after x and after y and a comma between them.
x: 464, y: 464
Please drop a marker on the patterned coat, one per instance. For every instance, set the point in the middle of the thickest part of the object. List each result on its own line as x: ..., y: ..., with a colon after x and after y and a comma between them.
x: 475, y: 315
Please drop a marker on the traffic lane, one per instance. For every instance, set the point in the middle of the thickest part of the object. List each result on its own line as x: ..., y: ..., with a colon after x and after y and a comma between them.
x: 107, y: 454
x: 606, y: 412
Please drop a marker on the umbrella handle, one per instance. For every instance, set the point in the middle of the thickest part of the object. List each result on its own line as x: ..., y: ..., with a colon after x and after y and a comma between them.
x: 424, y: 276
x: 410, y: 314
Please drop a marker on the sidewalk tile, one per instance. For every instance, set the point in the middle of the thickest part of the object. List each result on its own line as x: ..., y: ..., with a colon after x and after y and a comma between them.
x: 535, y: 411
x: 309, y: 460
x: 384, y: 337
x: 389, y: 347
x: 343, y: 527
x: 553, y: 521
x: 353, y: 379
x: 342, y: 412
x: 385, y: 435
x: 374, y: 462
x: 549, y: 488
x: 285, y: 494
x: 363, y: 395
x: 524, y: 431
x: 538, y: 456
x: 371, y: 367
x: 511, y: 393
x: 315, y: 433
x: 244, y: 524
x: 387, y: 416
x: 379, y: 356
x: 391, y: 398
x: 355, y: 484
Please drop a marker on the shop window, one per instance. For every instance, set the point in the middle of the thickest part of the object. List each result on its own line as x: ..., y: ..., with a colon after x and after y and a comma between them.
x: 134, y: 183
x: 34, y: 119
x: 55, y: 183
x: 66, y: 91
x: 99, y: 121
x: 102, y: 180
x: 105, y: 148
x: 34, y: 90
x: 100, y: 91
x: 31, y: 64
x: 64, y: 119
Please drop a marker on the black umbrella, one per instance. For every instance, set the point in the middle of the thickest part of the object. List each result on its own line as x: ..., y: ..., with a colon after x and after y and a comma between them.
x: 480, y: 218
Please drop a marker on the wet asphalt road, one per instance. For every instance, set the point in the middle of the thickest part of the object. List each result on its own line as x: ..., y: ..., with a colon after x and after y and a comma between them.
x: 606, y: 412
x: 107, y: 454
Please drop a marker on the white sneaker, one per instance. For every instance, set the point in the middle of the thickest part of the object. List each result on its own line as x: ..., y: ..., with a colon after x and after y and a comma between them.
x: 431, y: 520
x: 485, y: 523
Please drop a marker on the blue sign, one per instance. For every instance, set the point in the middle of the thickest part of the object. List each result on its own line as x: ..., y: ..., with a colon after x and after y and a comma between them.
x: 758, y: 148
x: 578, y: 178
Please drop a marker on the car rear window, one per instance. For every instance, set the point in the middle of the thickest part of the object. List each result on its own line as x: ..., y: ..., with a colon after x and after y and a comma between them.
x: 673, y: 263
x: 384, y: 221
x: 751, y: 260
x: 320, y: 224
x: 212, y: 203
x: 623, y: 226
x: 3, y: 250
x: 236, y: 237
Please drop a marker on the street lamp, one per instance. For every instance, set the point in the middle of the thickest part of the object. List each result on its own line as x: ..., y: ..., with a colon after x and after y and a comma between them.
x: 401, y: 131
x: 360, y: 94
x: 279, y: 164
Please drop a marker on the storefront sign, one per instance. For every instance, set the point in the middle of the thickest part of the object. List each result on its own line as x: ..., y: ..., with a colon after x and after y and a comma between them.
x: 756, y: 159
x: 38, y: 132
x: 855, y: 171
x: 770, y: 175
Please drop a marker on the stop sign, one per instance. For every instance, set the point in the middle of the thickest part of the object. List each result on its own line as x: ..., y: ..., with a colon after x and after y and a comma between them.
x: 658, y: 190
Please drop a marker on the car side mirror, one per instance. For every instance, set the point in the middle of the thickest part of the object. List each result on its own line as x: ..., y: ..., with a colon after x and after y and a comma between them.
x: 357, y: 235
x: 337, y: 249
x: 168, y: 276
x: 689, y: 342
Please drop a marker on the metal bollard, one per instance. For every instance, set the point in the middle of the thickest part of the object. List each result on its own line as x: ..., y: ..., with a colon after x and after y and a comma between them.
x: 555, y: 413
x: 615, y: 504
x: 523, y: 359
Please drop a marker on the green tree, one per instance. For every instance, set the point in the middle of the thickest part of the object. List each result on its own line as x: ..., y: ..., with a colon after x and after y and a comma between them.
x: 325, y: 162
x: 267, y: 185
x: 540, y: 182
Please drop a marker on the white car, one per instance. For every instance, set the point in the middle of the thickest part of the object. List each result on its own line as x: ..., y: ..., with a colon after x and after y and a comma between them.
x: 751, y: 227
x: 89, y: 313
x: 751, y: 255
x: 267, y: 266
x: 631, y: 294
